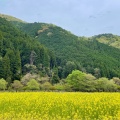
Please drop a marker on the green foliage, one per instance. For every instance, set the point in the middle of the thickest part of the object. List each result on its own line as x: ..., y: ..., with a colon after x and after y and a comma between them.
x: 16, y: 85
x: 59, y: 87
x: 79, y: 81
x: 116, y: 80
x: 3, y: 84
x: 55, y: 78
x: 46, y: 86
x: 6, y: 68
x: 10, y: 18
x: 109, y: 39
x: 76, y: 80
x: 103, y: 84
x: 33, y: 85
x: 68, y: 68
x: 1, y: 68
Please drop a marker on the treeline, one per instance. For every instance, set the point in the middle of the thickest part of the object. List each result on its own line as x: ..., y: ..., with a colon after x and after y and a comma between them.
x: 79, y: 81
x: 76, y: 81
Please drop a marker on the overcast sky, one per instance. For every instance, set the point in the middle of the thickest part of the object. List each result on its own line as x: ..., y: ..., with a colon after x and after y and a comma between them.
x: 81, y: 17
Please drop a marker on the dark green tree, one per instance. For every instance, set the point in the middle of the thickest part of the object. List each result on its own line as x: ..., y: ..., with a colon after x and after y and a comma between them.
x: 55, y: 78
x: 1, y: 68
x: 68, y: 68
x: 6, y: 68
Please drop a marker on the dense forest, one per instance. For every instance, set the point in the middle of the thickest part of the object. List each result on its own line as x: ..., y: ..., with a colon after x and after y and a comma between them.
x: 73, y: 52
x: 44, y: 56
x: 19, y: 53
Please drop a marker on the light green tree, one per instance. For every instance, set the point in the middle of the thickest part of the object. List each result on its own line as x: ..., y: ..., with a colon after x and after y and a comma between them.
x: 76, y: 80
x: 46, y: 86
x: 3, y: 84
x: 33, y: 85
x: 105, y: 85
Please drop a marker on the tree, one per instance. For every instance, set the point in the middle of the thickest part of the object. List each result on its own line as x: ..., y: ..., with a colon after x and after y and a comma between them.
x: 28, y: 68
x: 59, y: 87
x: 89, y: 77
x: 46, y: 86
x: 105, y: 85
x: 52, y: 59
x: 90, y: 81
x: 16, y: 85
x: 76, y: 80
x: 1, y: 44
x: 116, y: 80
x: 1, y: 68
x: 15, y: 63
x: 6, y: 68
x: 33, y: 85
x: 69, y: 67
x: 3, y: 84
x: 97, y: 73
x: 55, y: 78
x: 46, y: 62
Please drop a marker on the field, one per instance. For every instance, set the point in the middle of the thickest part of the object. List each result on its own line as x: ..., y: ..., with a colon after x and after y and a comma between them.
x: 59, y: 106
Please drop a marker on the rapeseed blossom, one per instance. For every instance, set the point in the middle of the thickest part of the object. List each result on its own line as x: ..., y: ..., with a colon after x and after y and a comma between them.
x: 59, y: 106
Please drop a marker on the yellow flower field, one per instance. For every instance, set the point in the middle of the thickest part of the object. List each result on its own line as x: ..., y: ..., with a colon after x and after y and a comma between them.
x: 59, y: 106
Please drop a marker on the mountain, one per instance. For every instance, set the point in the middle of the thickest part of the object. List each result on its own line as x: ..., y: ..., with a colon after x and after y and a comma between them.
x: 19, y: 53
x: 109, y: 39
x: 11, y: 18
x: 73, y: 52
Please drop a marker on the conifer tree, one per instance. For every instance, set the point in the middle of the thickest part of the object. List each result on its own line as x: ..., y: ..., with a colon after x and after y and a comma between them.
x: 6, y: 68
x: 1, y: 68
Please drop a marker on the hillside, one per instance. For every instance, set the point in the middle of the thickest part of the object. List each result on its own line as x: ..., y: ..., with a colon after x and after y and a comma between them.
x: 11, y: 18
x: 109, y: 39
x: 73, y: 52
x: 19, y: 53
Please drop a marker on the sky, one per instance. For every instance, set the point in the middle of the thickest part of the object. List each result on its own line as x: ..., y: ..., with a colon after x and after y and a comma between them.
x: 80, y: 17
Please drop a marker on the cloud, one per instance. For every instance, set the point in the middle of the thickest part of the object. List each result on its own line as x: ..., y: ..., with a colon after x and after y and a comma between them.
x: 92, y: 17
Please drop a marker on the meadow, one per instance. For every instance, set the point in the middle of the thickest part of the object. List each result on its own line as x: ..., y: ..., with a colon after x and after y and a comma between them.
x: 59, y: 106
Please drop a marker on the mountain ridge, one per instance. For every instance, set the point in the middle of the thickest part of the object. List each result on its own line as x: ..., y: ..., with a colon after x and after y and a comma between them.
x: 85, y: 53
x: 73, y: 52
x: 11, y: 18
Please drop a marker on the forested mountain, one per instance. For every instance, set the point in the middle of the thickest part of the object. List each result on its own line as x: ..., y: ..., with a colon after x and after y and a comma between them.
x: 43, y: 56
x: 20, y: 53
x: 73, y: 52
